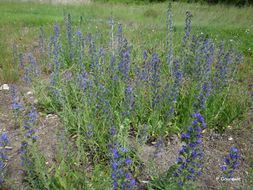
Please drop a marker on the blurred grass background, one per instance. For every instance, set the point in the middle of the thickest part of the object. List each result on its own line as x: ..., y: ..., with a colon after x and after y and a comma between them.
x: 144, y: 24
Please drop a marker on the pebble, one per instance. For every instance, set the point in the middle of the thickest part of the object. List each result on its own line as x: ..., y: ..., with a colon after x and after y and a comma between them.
x: 230, y: 138
x: 29, y: 93
x: 229, y: 127
x: 5, y: 87
x: 35, y: 101
x: 51, y: 116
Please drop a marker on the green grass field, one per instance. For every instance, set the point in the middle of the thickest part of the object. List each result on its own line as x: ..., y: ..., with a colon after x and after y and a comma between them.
x: 20, y: 24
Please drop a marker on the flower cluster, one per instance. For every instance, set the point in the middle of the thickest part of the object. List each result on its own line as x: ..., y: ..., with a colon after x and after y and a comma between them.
x: 231, y: 163
x: 29, y: 123
x: 226, y: 66
x: 69, y: 35
x: 3, y: 157
x: 155, y: 79
x: 21, y: 61
x: 129, y: 99
x: 169, y: 36
x: 203, y: 95
x: 28, y: 126
x: 120, y: 164
x: 16, y: 105
x: 42, y: 42
x: 80, y: 48
x: 30, y: 71
x: 144, y: 73
x: 125, y: 61
x: 23, y: 153
x: 54, y: 56
x: 190, y: 156
x: 188, y: 27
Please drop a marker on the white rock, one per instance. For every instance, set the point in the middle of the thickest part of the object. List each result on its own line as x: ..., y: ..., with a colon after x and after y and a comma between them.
x: 145, y: 182
x: 49, y: 115
x: 35, y: 101
x: 230, y: 138
x: 5, y: 87
x: 29, y: 93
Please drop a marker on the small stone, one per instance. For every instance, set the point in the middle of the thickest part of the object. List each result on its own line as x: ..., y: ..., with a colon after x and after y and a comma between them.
x: 29, y: 93
x: 5, y: 87
x: 49, y: 115
x: 229, y: 127
x: 35, y: 101
x: 230, y: 138
x: 146, y: 182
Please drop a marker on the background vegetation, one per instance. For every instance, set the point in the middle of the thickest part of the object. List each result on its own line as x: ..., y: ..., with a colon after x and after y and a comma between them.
x: 228, y: 2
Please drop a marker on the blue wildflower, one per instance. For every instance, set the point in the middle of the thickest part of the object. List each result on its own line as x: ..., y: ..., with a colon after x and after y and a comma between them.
x: 202, y: 98
x: 191, y: 154
x: 113, y: 131
x: 120, y: 39
x: 231, y: 161
x: 4, y: 141
x: 169, y: 36
x: 69, y: 36
x: 187, y: 28
x: 125, y: 61
x: 172, y: 91
x: 179, y: 160
x: 180, y: 184
x: 21, y: 61
x: 128, y: 161
x: 42, y: 41
x: 34, y: 67
x: 155, y: 80
x: 111, y: 43
x: 120, y: 164
x: 17, y: 106
x: 80, y: 49
x: 29, y: 124
x: 129, y: 99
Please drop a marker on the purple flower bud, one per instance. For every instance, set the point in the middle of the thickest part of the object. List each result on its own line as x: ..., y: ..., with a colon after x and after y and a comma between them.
x: 185, y: 135
x: 179, y: 160
x: 132, y: 182
x: 114, y: 165
x: 115, y: 154
x: 128, y: 161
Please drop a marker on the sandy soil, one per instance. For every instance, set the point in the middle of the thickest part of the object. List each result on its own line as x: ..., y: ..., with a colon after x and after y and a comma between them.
x: 46, y: 131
